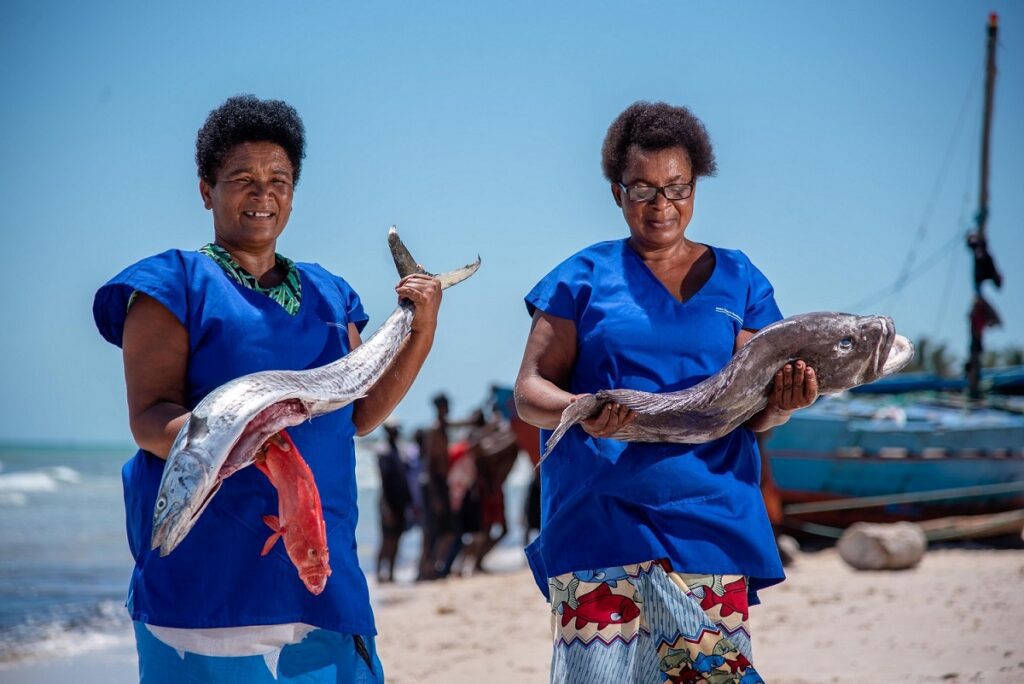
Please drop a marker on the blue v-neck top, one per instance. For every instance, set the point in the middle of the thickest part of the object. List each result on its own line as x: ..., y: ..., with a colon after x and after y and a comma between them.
x: 216, y: 577
x: 609, y: 503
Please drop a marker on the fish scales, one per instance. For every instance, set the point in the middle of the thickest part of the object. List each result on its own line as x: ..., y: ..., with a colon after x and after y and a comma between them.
x: 843, y: 349
x: 224, y: 431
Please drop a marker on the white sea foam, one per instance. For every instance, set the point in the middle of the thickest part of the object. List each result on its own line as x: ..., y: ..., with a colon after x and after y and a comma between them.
x: 13, y: 499
x: 107, y: 627
x: 41, y: 480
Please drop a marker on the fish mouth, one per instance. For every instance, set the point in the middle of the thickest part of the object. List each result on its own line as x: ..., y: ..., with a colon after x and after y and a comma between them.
x: 184, y: 501
x: 316, y: 583
x: 901, y: 352
x: 884, y: 345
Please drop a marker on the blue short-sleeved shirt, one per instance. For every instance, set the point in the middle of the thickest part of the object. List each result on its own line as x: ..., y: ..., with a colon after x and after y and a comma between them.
x: 216, y: 577
x: 608, y: 503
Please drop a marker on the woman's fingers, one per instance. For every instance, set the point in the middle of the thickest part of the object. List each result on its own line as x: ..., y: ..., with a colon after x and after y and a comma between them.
x: 810, y: 386
x: 795, y: 386
x: 610, y: 419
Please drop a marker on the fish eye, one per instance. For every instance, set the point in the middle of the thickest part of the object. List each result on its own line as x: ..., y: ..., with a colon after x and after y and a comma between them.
x: 845, y: 344
x: 312, y: 553
x: 161, y: 503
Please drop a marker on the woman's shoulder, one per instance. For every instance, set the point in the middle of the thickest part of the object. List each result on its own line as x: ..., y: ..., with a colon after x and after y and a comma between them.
x: 592, y: 257
x: 735, y: 261
x: 164, y: 277
x: 323, y: 276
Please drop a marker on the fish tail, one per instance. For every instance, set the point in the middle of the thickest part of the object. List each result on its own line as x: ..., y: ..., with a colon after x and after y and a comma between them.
x: 406, y: 265
x: 581, y: 409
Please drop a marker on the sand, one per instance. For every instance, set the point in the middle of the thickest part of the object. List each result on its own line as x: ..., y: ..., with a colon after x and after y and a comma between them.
x: 954, y: 618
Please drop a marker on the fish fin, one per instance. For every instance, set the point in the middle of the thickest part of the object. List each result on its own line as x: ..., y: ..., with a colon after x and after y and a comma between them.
x: 271, y: 659
x: 716, y: 585
x: 274, y: 524
x: 614, y: 584
x: 585, y: 406
x: 180, y: 652
x: 601, y: 591
x: 580, y: 622
x: 571, y: 590
x: 271, y: 540
x: 567, y: 615
x: 601, y: 625
x: 261, y: 464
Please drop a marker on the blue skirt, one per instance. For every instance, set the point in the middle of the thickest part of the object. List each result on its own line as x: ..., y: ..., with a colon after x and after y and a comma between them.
x: 322, y: 657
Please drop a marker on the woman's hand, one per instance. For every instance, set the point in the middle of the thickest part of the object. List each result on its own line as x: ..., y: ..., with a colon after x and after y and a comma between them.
x: 610, y: 419
x: 424, y: 292
x: 795, y: 387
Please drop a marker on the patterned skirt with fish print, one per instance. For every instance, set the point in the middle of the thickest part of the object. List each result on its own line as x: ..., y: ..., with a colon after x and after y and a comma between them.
x: 645, y: 623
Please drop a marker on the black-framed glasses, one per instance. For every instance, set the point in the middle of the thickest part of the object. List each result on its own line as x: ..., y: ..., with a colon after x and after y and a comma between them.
x: 647, y: 193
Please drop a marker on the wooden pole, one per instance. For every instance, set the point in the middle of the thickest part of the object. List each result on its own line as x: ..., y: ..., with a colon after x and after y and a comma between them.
x: 974, y: 361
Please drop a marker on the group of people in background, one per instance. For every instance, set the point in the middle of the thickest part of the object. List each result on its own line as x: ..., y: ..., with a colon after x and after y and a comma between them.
x: 448, y: 479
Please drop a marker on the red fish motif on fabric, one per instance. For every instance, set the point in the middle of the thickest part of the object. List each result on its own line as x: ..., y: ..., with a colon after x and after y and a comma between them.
x: 739, y: 663
x: 685, y: 676
x: 733, y: 601
x: 300, y: 519
x: 603, y: 607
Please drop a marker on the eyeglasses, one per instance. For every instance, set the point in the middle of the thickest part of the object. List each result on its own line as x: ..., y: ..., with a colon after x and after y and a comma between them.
x: 246, y: 184
x: 647, y: 193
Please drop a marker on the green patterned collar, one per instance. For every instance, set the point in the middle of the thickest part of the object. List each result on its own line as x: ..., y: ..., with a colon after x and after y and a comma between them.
x: 288, y: 293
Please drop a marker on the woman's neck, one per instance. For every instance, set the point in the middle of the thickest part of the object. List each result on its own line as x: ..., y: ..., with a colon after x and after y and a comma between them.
x: 260, y: 262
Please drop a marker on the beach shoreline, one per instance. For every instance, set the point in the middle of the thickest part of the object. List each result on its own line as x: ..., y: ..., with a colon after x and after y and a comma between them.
x: 951, y: 619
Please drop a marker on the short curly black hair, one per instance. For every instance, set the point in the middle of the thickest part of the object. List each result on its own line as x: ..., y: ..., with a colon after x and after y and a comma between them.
x: 656, y: 126
x: 246, y: 118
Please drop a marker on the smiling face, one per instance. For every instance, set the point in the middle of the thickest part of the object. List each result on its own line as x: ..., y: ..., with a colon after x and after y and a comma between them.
x: 658, y: 223
x: 252, y: 197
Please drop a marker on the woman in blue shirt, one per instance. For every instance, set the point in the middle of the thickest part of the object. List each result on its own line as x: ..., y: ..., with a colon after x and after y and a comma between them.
x: 214, y: 610
x: 651, y: 553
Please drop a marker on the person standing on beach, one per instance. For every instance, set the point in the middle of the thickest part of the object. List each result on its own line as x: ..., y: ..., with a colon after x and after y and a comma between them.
x: 395, y: 500
x: 650, y: 554
x: 189, y: 321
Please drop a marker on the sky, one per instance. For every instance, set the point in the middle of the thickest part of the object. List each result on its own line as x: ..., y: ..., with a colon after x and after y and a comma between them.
x: 847, y: 137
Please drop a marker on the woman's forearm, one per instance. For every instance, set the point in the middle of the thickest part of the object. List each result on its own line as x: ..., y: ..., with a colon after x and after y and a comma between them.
x: 155, y: 428
x: 540, y: 402
x: 370, y: 411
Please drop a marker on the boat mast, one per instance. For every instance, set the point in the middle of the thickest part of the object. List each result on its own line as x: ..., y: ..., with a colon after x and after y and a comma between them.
x: 976, y: 241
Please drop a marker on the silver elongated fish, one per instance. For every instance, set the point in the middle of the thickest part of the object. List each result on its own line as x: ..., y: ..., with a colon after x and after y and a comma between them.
x: 233, y: 421
x: 844, y: 350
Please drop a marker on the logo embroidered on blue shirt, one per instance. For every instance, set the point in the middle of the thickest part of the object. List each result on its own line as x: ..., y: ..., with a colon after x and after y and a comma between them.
x: 736, y: 317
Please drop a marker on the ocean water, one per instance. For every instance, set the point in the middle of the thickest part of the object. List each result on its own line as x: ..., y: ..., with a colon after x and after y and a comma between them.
x: 64, y: 561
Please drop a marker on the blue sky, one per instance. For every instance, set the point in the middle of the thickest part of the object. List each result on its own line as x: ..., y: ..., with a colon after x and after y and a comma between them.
x: 847, y: 139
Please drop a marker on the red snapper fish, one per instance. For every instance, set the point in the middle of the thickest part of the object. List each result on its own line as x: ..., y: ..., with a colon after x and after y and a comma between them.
x: 300, y: 519
x: 603, y: 607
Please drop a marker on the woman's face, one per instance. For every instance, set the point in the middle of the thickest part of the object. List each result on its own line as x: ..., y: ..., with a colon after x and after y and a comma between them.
x: 252, y: 197
x: 660, y: 222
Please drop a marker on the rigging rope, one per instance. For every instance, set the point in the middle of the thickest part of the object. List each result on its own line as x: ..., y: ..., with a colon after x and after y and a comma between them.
x: 907, y: 273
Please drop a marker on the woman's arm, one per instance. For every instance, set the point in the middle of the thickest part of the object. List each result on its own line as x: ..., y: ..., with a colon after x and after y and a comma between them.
x: 544, y: 373
x: 425, y: 294
x: 155, y: 350
x: 795, y: 387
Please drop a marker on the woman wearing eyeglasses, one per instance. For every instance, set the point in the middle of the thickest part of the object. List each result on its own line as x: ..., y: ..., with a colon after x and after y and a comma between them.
x: 214, y: 610
x: 650, y: 554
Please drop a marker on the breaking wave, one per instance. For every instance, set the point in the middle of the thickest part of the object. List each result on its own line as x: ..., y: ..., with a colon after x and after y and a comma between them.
x: 41, y: 480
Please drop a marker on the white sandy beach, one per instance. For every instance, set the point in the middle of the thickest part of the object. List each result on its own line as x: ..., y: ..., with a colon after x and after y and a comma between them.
x: 954, y: 618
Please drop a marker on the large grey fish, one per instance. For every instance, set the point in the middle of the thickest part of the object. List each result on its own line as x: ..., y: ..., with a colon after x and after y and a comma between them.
x: 233, y: 421
x: 844, y: 350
